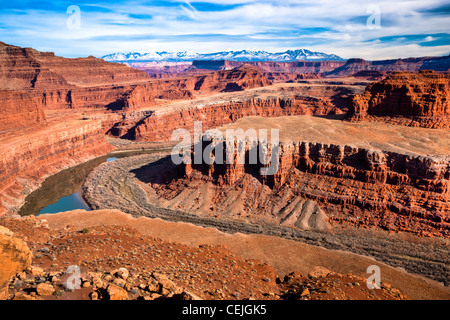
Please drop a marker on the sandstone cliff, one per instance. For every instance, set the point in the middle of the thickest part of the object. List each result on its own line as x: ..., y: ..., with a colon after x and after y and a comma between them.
x: 353, y: 186
x: 27, y: 159
x: 26, y: 68
x: 353, y: 66
x: 54, y: 82
x: 18, y: 111
x: 150, y: 128
x: 35, y: 86
x: 415, y: 99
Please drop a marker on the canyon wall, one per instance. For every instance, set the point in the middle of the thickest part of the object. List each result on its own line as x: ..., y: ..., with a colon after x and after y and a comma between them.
x: 15, y: 257
x: 143, y: 94
x: 280, y: 70
x: 356, y: 65
x: 271, y: 66
x: 244, y: 77
x: 26, y: 68
x: 415, y: 99
x: 18, y: 111
x: 57, y: 83
x: 35, y: 86
x: 354, y: 186
x: 159, y: 125
x: 28, y: 159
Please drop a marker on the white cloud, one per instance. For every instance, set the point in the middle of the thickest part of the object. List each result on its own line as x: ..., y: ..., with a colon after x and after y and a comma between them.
x: 340, y: 27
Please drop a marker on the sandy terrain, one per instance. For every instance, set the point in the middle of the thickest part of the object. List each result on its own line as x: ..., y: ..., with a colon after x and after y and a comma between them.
x: 284, y: 255
x: 369, y: 135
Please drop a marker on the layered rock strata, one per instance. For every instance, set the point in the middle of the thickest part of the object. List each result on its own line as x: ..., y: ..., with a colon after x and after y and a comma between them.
x: 128, y: 185
x: 158, y: 124
x: 57, y: 83
x: 35, y: 86
x: 219, y: 114
x: 28, y: 159
x: 353, y: 66
x: 354, y: 186
x: 415, y: 99
x: 18, y: 111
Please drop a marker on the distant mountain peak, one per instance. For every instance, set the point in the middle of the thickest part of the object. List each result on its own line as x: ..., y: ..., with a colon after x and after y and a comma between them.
x: 232, y: 55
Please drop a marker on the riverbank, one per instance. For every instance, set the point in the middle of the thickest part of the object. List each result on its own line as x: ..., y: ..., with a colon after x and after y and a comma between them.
x: 69, y: 181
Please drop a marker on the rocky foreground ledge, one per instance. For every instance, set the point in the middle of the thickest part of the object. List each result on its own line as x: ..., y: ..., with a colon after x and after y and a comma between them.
x: 120, y: 263
x: 113, y: 185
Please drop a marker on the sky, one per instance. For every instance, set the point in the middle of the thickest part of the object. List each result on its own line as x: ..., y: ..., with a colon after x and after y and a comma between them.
x: 366, y: 29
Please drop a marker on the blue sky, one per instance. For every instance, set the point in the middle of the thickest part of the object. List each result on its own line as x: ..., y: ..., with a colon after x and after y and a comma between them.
x: 367, y: 29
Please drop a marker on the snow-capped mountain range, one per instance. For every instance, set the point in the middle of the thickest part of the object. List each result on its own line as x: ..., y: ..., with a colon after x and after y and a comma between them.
x: 241, y: 55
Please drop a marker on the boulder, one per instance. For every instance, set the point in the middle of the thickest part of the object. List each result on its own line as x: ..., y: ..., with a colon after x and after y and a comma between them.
x: 15, y: 256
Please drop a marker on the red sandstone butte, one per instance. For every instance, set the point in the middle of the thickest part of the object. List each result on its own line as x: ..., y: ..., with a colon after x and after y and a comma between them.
x: 414, y: 99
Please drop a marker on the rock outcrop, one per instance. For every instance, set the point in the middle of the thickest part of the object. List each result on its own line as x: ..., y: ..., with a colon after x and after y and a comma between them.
x: 354, y: 186
x: 244, y: 77
x: 26, y: 68
x: 215, y: 115
x: 415, y: 99
x: 15, y: 256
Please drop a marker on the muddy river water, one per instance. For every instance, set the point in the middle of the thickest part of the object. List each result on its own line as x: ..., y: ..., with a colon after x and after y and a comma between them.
x: 61, y: 192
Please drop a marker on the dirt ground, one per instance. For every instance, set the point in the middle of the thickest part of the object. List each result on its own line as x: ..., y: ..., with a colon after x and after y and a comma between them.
x: 283, y: 255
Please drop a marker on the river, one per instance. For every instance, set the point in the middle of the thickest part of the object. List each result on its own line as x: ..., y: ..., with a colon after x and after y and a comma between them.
x: 61, y: 192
